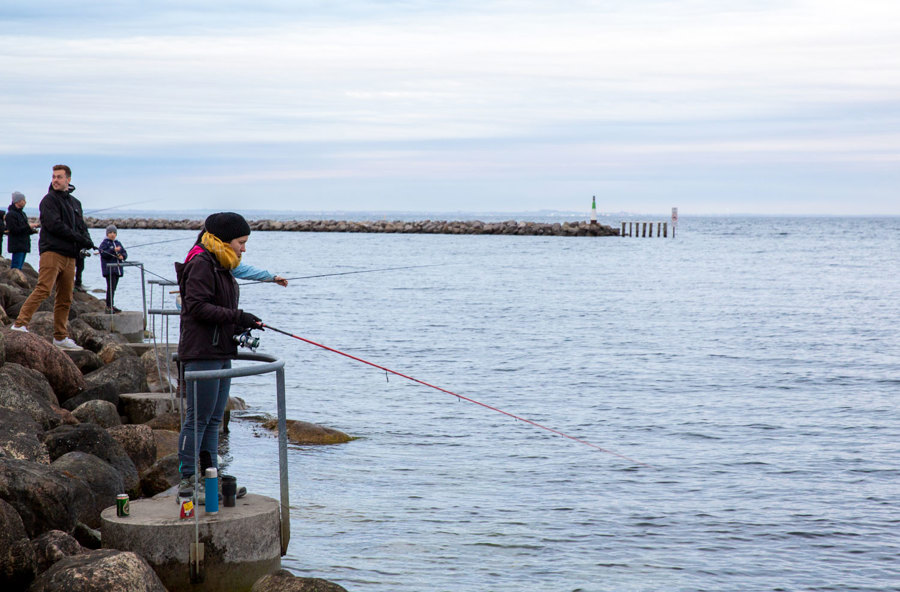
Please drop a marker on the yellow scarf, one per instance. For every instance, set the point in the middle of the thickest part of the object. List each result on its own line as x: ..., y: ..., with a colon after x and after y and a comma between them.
x: 224, y: 253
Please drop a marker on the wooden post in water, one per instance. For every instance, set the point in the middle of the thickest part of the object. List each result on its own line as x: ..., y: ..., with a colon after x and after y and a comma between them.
x: 646, y: 229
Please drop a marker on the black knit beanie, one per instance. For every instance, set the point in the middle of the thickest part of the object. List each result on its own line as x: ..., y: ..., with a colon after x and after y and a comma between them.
x: 227, y: 226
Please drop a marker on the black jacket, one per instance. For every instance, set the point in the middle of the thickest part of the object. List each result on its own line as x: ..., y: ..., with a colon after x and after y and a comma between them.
x: 20, y: 230
x: 63, y: 229
x: 209, y: 309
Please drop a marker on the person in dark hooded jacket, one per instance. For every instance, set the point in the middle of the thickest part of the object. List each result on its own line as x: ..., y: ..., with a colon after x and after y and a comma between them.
x: 210, y: 318
x: 112, y: 253
x: 63, y: 235
x: 20, y: 231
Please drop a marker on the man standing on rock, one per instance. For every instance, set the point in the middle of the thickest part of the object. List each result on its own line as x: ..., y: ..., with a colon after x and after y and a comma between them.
x: 63, y: 235
x: 20, y: 231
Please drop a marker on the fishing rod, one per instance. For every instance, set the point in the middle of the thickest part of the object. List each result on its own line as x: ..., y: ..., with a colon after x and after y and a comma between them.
x: 171, y: 240
x: 307, y: 277
x: 458, y: 396
x: 134, y: 203
x: 295, y: 278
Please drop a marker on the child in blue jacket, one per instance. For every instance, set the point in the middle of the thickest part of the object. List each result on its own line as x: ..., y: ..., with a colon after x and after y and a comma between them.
x: 111, y: 253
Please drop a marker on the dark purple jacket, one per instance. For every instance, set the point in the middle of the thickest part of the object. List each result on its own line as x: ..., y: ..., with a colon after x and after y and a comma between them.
x: 108, y: 258
x: 209, y: 308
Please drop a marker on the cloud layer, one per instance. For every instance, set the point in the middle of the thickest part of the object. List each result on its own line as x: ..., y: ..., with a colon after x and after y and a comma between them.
x: 713, y: 106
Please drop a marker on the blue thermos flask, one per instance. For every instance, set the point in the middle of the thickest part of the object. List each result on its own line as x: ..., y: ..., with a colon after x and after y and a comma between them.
x: 212, y: 491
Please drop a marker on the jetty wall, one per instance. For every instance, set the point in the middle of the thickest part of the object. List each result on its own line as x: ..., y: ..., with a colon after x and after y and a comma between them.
x: 509, y: 227
x: 80, y: 427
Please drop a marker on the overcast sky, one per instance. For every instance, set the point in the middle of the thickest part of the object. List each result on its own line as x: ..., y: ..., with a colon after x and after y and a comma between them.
x: 714, y: 106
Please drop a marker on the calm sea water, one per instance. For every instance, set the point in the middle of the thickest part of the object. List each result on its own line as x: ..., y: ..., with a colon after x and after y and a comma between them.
x: 752, y: 362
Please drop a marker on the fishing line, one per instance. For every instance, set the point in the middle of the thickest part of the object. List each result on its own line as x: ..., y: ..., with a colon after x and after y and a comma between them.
x: 171, y: 240
x: 134, y: 265
x: 307, y: 277
x: 458, y: 396
x: 134, y: 203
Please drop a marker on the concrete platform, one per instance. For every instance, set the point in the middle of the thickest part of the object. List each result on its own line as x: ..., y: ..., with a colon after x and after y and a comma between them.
x: 141, y: 348
x: 241, y: 544
x: 142, y: 407
x: 129, y: 324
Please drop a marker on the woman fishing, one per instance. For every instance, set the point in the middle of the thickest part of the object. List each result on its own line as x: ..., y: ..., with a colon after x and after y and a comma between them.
x: 210, y: 318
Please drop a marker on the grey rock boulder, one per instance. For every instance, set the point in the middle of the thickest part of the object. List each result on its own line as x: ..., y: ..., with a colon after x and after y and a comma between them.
x: 52, y: 546
x: 126, y: 374
x: 31, y: 351
x: 27, y: 390
x: 102, y: 413
x: 161, y: 476
x: 138, y: 442
x: 90, y: 338
x: 98, y: 392
x: 101, y: 478
x: 284, y: 581
x: 17, y: 559
x: 102, y: 570
x: 20, y: 437
x: 304, y: 432
x: 91, y: 438
x: 44, y: 497
x: 86, y: 360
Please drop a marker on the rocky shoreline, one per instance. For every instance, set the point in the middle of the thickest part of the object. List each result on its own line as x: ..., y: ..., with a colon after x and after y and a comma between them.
x: 69, y: 443
x: 509, y: 227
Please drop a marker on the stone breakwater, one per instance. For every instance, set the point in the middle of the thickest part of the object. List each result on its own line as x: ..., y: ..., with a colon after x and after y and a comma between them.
x: 509, y: 227
x: 76, y: 429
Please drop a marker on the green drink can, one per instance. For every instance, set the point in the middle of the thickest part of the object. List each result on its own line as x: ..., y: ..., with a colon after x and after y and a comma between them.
x: 122, y: 508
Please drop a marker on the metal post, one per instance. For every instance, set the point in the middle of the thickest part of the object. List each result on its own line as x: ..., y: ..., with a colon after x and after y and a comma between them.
x: 196, y: 549
x: 166, y: 313
x: 144, y: 295
x: 282, y: 462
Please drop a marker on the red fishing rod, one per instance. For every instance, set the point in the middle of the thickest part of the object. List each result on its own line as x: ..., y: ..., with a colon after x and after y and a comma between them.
x: 458, y: 396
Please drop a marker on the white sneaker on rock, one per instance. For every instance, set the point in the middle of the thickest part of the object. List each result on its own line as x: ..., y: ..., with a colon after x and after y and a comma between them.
x: 66, y: 343
x: 22, y: 329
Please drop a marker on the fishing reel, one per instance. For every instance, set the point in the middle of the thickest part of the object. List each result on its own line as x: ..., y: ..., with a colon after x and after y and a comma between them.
x: 85, y: 252
x: 246, y: 339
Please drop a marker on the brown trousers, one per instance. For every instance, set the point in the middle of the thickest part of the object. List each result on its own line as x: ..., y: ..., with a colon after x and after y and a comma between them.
x: 54, y: 270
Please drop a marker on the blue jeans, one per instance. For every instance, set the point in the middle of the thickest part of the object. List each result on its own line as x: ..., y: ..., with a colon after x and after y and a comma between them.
x: 18, y: 260
x: 212, y: 396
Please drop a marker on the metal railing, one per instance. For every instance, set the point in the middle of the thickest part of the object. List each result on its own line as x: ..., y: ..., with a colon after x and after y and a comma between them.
x: 143, y: 283
x: 271, y: 364
x: 165, y: 313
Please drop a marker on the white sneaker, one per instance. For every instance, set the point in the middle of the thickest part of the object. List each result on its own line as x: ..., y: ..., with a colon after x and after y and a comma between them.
x: 22, y: 329
x: 66, y: 344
